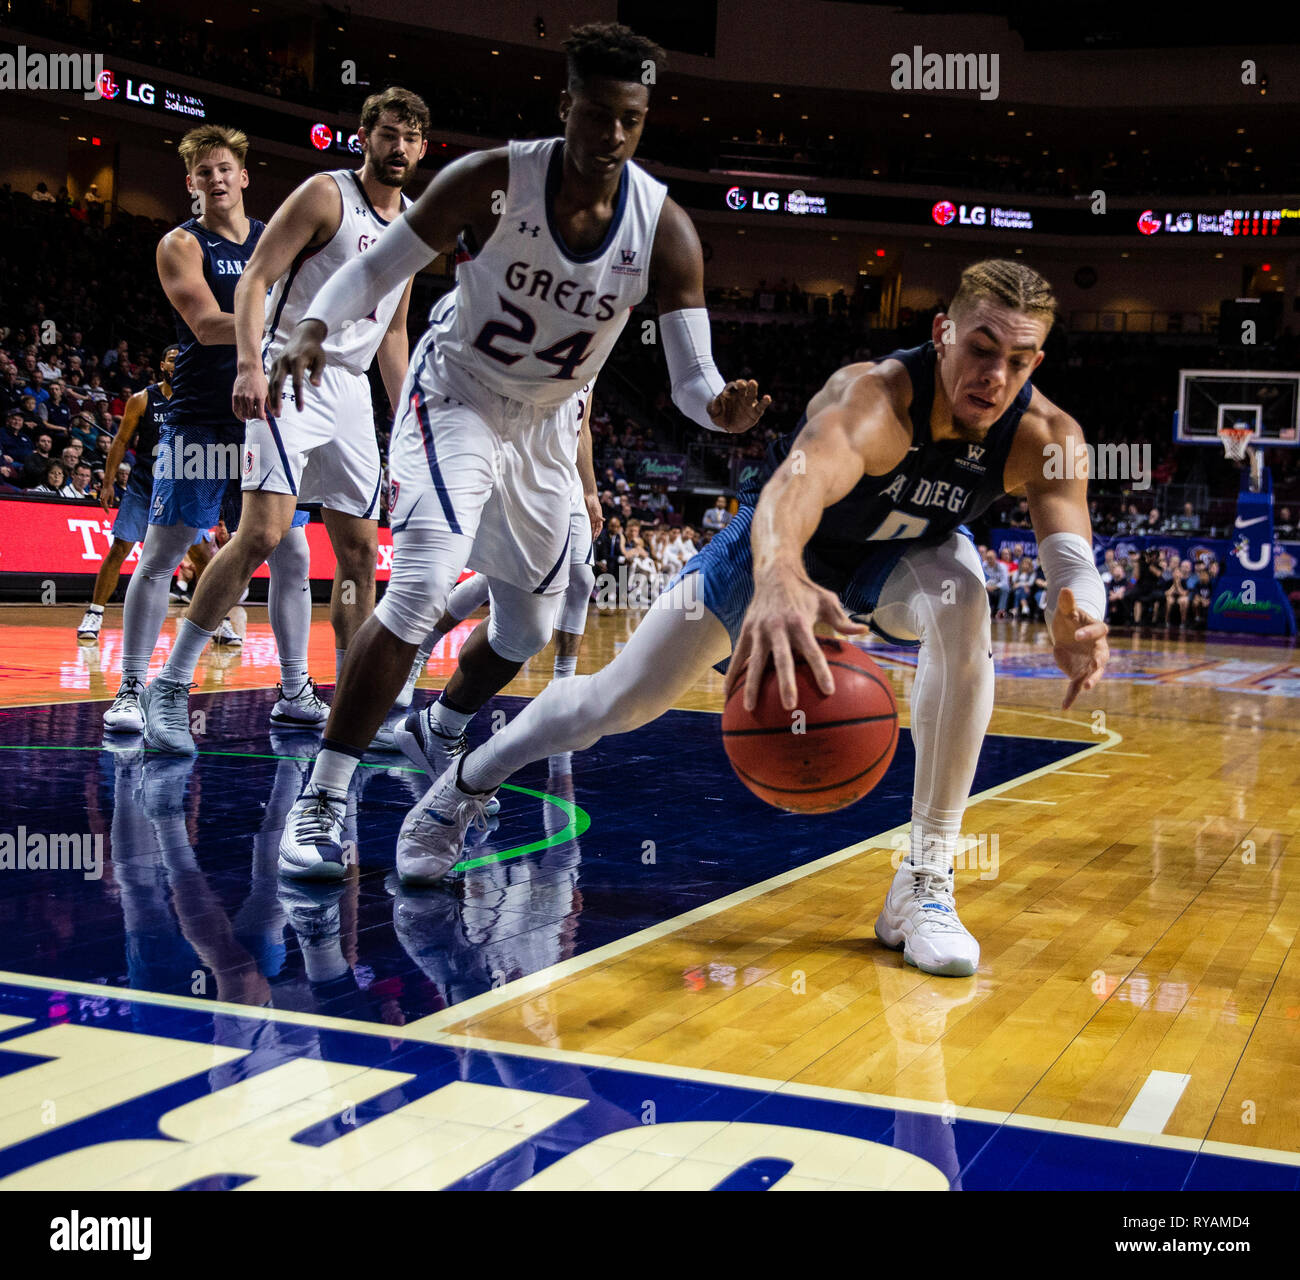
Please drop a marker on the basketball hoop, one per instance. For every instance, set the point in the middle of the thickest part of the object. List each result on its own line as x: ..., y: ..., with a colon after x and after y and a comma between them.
x: 1236, y: 440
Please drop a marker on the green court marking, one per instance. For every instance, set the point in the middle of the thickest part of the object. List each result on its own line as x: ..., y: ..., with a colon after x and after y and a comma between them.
x: 579, y: 818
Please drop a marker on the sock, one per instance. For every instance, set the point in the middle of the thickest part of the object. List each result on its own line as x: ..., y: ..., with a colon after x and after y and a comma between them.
x: 334, y: 767
x: 566, y: 667
x: 448, y: 722
x: 933, y: 838
x: 293, y: 675
x: 339, y: 655
x: 94, y: 608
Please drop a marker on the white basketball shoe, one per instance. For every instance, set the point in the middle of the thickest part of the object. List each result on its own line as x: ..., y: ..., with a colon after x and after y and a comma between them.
x: 920, y: 917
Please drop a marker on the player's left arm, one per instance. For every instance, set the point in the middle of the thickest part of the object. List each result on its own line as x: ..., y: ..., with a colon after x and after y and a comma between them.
x: 677, y: 271
x: 395, y: 350
x: 587, y: 469
x: 1058, y: 510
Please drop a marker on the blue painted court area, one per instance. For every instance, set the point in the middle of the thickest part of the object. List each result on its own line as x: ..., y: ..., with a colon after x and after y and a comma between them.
x: 563, y: 1122
x: 641, y: 828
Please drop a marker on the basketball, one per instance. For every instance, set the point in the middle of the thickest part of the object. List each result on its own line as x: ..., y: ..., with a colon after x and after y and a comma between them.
x: 828, y: 752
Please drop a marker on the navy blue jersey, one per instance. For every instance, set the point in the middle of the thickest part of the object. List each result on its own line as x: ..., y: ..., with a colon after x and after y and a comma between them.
x: 204, y: 377
x: 151, y: 424
x: 937, y: 487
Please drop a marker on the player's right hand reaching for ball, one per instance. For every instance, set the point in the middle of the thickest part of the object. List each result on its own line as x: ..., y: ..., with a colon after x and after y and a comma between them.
x: 779, y: 625
x: 302, y: 353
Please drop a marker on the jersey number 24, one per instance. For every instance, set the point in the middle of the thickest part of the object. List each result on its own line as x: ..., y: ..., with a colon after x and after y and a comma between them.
x: 566, y: 354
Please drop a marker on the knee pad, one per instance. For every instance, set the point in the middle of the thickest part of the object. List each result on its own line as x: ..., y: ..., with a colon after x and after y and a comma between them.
x: 519, y: 622
x: 572, y: 615
x: 425, y: 564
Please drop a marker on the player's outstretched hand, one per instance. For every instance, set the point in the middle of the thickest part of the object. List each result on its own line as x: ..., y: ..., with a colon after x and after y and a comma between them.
x: 738, y: 406
x: 248, y: 399
x: 779, y: 624
x: 302, y: 353
x: 1078, y: 645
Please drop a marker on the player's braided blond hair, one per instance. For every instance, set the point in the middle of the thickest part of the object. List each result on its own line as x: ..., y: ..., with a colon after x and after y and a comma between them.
x: 212, y: 137
x: 1011, y: 283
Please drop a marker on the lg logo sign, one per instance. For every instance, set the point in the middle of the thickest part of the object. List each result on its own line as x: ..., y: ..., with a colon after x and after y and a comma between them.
x: 142, y: 92
x: 769, y: 201
x: 945, y: 211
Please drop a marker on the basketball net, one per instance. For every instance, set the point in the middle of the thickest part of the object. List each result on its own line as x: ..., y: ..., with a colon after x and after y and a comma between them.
x: 1236, y: 447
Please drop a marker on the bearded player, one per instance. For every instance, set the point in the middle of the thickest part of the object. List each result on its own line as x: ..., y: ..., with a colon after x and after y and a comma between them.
x: 327, y: 454
x: 863, y: 518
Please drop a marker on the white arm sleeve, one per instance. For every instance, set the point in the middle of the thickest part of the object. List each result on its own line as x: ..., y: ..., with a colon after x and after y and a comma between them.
x: 689, y: 350
x: 354, y: 291
x: 1067, y: 561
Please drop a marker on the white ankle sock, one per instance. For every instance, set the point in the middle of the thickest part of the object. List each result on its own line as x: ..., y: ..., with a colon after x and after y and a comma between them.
x: 566, y: 667
x: 333, y: 772
x: 293, y: 675
x: 933, y: 837
x: 449, y: 722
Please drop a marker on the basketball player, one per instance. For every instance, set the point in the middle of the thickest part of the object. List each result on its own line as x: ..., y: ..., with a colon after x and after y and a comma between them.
x: 141, y: 423
x: 863, y: 515
x: 327, y: 453
x: 199, y: 264
x: 585, y: 522
x: 566, y: 234
x: 139, y: 429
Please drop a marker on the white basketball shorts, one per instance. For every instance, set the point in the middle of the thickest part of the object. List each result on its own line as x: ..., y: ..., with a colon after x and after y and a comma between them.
x: 326, y: 453
x: 467, y: 460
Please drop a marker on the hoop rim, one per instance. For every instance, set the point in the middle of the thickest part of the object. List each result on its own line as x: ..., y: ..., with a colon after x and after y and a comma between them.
x: 1236, y: 441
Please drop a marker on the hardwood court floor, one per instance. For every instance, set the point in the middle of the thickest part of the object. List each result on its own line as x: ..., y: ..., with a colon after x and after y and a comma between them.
x: 1137, y: 902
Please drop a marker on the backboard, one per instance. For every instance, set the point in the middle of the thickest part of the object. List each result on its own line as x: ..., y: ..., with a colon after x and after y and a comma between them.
x: 1266, y: 402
